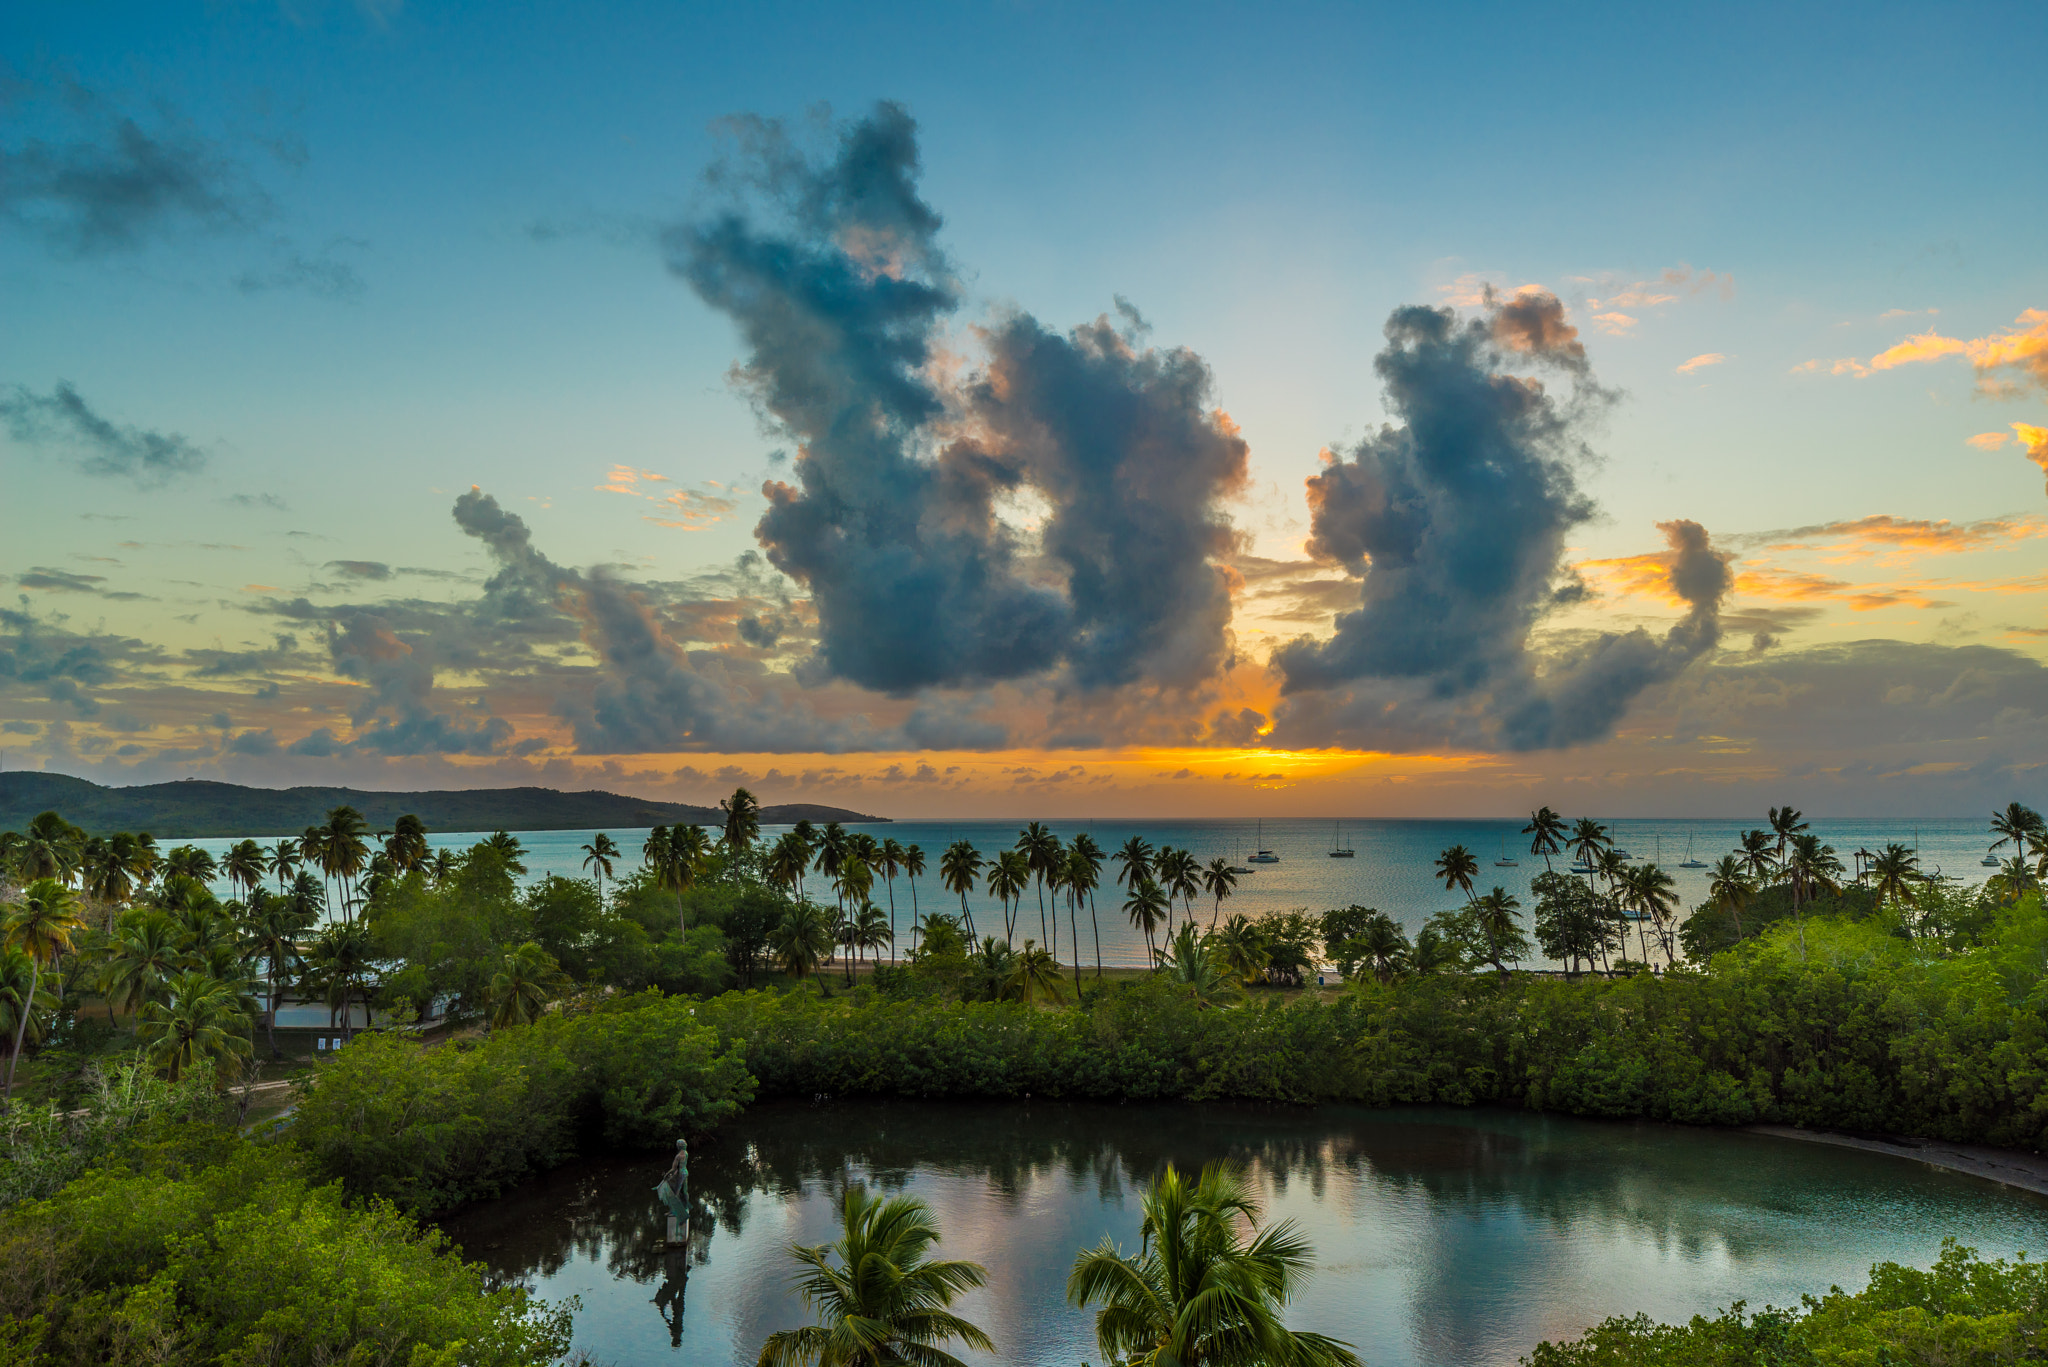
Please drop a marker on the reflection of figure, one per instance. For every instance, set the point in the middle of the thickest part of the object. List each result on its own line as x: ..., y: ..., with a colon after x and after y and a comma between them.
x: 675, y: 1266
x: 674, y: 1192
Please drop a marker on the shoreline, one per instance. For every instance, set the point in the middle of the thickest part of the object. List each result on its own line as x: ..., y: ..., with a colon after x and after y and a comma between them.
x: 2008, y: 1167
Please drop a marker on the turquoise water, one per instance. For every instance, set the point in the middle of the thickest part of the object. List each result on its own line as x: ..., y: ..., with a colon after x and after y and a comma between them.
x: 1444, y: 1238
x: 1391, y: 870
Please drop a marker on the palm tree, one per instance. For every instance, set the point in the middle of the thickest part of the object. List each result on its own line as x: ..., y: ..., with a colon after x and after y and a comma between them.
x: 339, y: 964
x: 1219, y: 882
x: 1181, y: 876
x: 832, y: 849
x: 49, y: 847
x: 1041, y: 850
x: 2015, y: 879
x: 872, y: 931
x: 26, y: 998
x: 1588, y: 838
x: 988, y: 969
x: 202, y: 1019
x: 1895, y: 868
x: 1757, y: 856
x: 1548, y: 831
x: 1455, y: 869
x: 528, y: 978
x: 1192, y: 965
x: 2018, y: 823
x: 271, y: 932
x: 913, y: 869
x: 244, y: 867
x: 802, y: 939
x: 742, y: 825
x: 146, y: 951
x: 1786, y: 823
x: 1495, y: 914
x: 41, y: 925
x: 1197, y: 1293
x: 1728, y: 884
x: 1084, y: 848
x: 511, y: 853
x: 889, y: 863
x: 1385, y: 948
x: 598, y: 856
x: 284, y: 859
x: 1008, y: 876
x: 676, y: 857
x: 1134, y: 860
x: 1034, y: 971
x: 959, y: 866
x: 1146, y: 907
x: 788, y: 858
x: 1078, y: 877
x: 1655, y: 894
x: 1242, y: 948
x: 189, y: 861
x: 855, y: 881
x: 344, y: 849
x: 1432, y: 953
x: 880, y: 1297
x: 406, y: 844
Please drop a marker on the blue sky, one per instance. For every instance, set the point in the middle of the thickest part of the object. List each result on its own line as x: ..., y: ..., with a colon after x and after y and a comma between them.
x: 427, y: 254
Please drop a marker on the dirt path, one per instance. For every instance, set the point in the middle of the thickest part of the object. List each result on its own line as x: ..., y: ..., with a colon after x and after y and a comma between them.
x: 2014, y: 1168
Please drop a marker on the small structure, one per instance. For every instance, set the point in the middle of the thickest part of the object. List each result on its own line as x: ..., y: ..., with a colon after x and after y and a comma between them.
x: 674, y: 1191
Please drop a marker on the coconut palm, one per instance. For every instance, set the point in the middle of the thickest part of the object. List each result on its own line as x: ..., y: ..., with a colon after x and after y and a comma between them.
x: 1147, y: 907
x: 244, y: 866
x: 48, y: 847
x: 1385, y: 949
x: 146, y: 951
x: 284, y: 860
x: 1192, y: 965
x: 1896, y: 870
x: 1134, y: 862
x: 683, y: 862
x: 1588, y: 838
x: 802, y: 939
x: 1008, y: 876
x: 189, y: 861
x: 271, y: 932
x: 879, y: 1296
x: 528, y: 978
x: 1494, y: 914
x: 855, y: 881
x: 1241, y: 947
x: 1654, y: 893
x: 988, y: 969
x: 889, y: 863
x: 1757, y: 856
x: 1041, y: 850
x: 405, y: 845
x: 42, y: 925
x: 1034, y: 972
x: 308, y: 895
x: 345, y: 849
x: 1219, y: 881
x: 913, y: 869
x: 511, y: 853
x: 201, y: 1019
x: 1455, y: 869
x: 959, y: 867
x: 742, y: 824
x: 1079, y: 877
x: 1728, y: 886
x: 2018, y: 824
x: 599, y: 856
x: 788, y: 859
x: 872, y: 931
x: 1199, y: 1292
x: 29, y: 998
x: 2015, y: 879
x: 339, y: 965
x: 1180, y: 873
x: 1786, y: 824
x: 1547, y: 831
x: 833, y: 848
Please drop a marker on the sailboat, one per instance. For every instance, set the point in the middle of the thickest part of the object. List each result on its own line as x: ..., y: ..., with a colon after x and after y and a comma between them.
x: 1504, y: 862
x: 1340, y: 850
x: 1690, y: 862
x: 1264, y: 856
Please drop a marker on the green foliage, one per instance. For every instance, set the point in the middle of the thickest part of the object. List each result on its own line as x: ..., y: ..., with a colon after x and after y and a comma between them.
x: 432, y: 1127
x: 1963, y: 1312
x: 246, y: 1260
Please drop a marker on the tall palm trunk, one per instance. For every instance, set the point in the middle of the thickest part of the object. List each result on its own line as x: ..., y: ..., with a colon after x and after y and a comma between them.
x: 35, y: 972
x: 889, y: 881
x: 270, y: 1016
x: 1095, y: 921
x: 1043, y: 936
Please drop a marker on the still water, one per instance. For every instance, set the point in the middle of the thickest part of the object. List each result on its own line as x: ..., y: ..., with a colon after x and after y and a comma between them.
x: 1391, y: 869
x: 1443, y: 1237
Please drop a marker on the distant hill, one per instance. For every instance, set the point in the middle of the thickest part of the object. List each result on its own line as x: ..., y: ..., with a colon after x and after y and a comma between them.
x: 198, y: 807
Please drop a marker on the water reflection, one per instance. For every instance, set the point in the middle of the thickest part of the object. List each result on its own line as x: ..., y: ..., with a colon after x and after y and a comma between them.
x: 1443, y: 1236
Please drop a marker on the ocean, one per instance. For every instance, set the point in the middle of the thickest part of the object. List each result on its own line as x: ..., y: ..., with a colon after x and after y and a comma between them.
x: 1391, y: 870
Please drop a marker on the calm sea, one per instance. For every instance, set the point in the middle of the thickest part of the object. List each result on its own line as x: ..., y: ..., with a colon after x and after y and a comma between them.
x: 1391, y: 870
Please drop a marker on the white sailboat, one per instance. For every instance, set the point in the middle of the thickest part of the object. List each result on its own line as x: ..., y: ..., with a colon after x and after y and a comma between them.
x: 1690, y: 862
x: 1504, y: 862
x: 1264, y: 856
x: 1340, y: 850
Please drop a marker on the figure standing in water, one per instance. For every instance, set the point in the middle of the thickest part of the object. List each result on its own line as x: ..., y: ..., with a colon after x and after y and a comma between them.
x: 674, y: 1192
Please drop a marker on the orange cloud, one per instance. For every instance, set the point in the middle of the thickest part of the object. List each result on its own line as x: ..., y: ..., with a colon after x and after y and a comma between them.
x: 2035, y: 439
x: 1701, y: 362
x: 2022, y: 347
x: 1989, y: 441
x: 1614, y: 324
x: 1898, y: 538
x: 624, y: 478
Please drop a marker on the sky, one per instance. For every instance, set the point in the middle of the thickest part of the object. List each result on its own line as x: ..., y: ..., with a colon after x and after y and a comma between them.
x: 1031, y: 409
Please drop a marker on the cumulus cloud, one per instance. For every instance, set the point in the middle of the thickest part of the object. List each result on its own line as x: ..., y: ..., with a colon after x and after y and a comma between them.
x: 2033, y: 443
x: 62, y: 420
x: 832, y: 270
x: 1454, y: 522
x: 396, y: 715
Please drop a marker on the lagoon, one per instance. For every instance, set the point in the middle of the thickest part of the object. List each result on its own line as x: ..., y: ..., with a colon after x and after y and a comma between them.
x: 1444, y: 1237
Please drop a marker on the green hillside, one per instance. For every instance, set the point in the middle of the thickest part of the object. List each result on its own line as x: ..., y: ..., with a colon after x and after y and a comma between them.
x: 197, y: 807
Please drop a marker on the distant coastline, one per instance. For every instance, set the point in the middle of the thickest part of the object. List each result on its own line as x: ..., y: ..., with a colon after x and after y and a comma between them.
x: 198, y: 808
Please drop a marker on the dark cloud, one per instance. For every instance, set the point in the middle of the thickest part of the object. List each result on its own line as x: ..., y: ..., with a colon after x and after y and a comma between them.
x: 41, y: 656
x: 60, y: 581
x: 255, y: 743
x: 396, y: 716
x: 64, y: 420
x: 1456, y: 521
x: 19, y: 728
x: 319, y: 743
x: 832, y: 271
x: 108, y: 184
x: 361, y: 569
